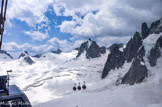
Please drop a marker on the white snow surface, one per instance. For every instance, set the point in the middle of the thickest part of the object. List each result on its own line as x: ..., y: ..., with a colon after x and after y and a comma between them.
x: 89, y: 43
x: 49, y: 81
x: 4, y: 57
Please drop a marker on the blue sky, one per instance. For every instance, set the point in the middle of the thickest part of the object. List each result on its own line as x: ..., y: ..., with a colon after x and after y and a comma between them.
x: 19, y: 27
x: 40, y: 26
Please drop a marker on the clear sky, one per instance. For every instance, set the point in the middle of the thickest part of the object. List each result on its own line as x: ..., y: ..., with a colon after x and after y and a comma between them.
x: 39, y: 26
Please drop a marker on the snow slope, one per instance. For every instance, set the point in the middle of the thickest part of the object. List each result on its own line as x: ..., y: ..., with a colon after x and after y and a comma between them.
x: 58, y: 72
x: 104, y: 93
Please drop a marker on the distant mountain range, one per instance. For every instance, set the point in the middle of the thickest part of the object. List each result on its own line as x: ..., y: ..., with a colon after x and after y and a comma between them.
x: 137, y: 51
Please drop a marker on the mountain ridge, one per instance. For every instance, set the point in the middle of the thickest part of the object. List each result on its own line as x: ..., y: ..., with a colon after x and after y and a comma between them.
x: 135, y: 50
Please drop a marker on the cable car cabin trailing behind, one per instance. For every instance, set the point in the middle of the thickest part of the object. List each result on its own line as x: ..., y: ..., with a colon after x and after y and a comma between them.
x: 79, y: 87
x: 84, y: 86
x: 74, y: 88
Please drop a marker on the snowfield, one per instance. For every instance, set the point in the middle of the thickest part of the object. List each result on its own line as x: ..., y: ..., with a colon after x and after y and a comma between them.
x: 49, y: 81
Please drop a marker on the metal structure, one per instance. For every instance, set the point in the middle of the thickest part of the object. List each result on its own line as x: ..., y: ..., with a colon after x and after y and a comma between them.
x: 2, y: 19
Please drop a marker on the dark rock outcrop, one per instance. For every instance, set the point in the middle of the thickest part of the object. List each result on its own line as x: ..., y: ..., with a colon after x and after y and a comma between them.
x: 23, y: 54
x: 141, y: 51
x: 115, y: 60
x: 159, y: 42
x: 103, y: 50
x: 154, y: 55
x: 82, y: 48
x: 132, y: 47
x: 155, y: 52
x: 144, y: 30
x: 156, y: 27
x: 115, y: 45
x: 93, y: 51
x: 91, y: 48
x: 76, y: 49
x: 28, y: 60
x: 37, y: 56
x: 138, y: 70
x: 58, y: 51
x: 4, y: 52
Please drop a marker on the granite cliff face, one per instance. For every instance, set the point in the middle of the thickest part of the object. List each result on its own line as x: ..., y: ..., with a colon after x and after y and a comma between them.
x: 115, y: 60
x: 132, y: 47
x: 138, y: 70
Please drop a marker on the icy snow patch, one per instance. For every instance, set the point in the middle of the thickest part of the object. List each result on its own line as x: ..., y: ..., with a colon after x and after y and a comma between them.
x: 150, y: 41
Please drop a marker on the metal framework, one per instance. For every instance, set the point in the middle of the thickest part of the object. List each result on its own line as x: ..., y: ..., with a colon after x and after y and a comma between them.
x: 2, y: 18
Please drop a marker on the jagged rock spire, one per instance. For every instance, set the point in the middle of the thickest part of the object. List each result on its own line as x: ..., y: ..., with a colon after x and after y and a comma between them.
x: 144, y: 30
x: 132, y: 47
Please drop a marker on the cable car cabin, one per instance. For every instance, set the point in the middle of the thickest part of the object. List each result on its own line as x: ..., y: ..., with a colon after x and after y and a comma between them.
x: 14, y: 98
x: 3, y: 82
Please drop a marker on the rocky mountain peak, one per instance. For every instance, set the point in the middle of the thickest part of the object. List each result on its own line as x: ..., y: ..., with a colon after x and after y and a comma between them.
x: 23, y: 54
x: 26, y: 57
x: 144, y: 30
x: 136, y: 37
x: 89, y: 39
x: 132, y: 47
x: 91, y: 48
x: 58, y: 51
x: 156, y: 27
